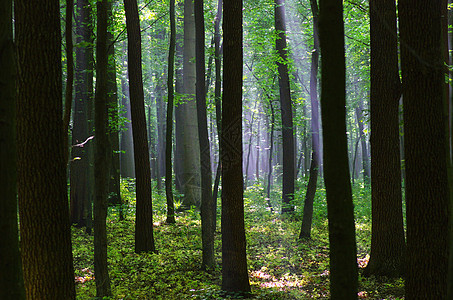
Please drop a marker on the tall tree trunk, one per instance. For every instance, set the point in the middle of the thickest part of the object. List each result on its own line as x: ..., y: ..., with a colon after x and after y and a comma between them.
x: 365, y: 157
x: 101, y: 155
x: 286, y: 109
x: 41, y: 182
x: 387, y: 237
x: 144, y: 239
x: 11, y: 280
x: 191, y: 148
x: 126, y: 142
x: 234, y: 260
x: 343, y: 255
x: 69, y: 75
x: 207, y: 208
x: 169, y: 133
x: 307, y: 219
x: 427, y: 191
x: 81, y: 189
x: 271, y: 150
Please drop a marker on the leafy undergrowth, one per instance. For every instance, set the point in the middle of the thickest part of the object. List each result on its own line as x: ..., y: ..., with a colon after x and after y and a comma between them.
x: 280, y: 266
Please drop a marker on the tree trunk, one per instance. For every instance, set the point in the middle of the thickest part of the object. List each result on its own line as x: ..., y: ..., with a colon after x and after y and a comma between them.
x: 144, y: 240
x: 169, y: 133
x: 45, y: 234
x: 307, y: 219
x: 387, y: 237
x: 81, y: 189
x: 101, y: 155
x: 365, y: 157
x: 427, y: 191
x: 69, y: 76
x: 11, y: 280
x: 191, y: 148
x: 208, y: 214
x: 343, y: 255
x: 234, y: 260
x: 286, y: 109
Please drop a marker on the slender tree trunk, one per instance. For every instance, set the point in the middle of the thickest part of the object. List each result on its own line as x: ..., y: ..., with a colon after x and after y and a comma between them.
x: 41, y: 179
x: 365, y: 158
x: 69, y: 75
x: 234, y: 260
x: 343, y: 255
x: 207, y: 207
x: 305, y: 231
x: 144, y: 239
x: 101, y: 155
x: 426, y: 160
x: 271, y: 149
x: 11, y: 280
x: 81, y: 187
x: 286, y: 109
x: 169, y: 133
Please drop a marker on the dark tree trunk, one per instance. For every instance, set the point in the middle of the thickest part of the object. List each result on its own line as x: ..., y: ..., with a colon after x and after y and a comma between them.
x: 161, y: 141
x: 307, y: 219
x: 11, y: 280
x: 207, y: 205
x: 234, y: 260
x: 365, y: 157
x: 41, y: 182
x: 169, y: 133
x: 340, y: 210
x: 286, y: 110
x: 126, y: 142
x: 387, y: 237
x: 101, y: 155
x: 144, y: 240
x: 427, y: 191
x: 69, y: 75
x: 81, y: 189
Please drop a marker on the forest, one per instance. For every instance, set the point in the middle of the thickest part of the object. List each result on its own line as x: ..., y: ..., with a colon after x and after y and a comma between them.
x: 191, y: 149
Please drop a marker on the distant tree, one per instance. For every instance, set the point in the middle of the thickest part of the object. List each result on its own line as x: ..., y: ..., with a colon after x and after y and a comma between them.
x: 286, y: 109
x: 169, y: 127
x: 190, y: 156
x: 208, y: 213
x: 425, y: 147
x: 101, y: 155
x: 81, y: 189
x: 305, y: 231
x: 11, y: 280
x: 340, y: 210
x: 144, y: 239
x: 234, y: 261
x: 45, y: 235
x: 387, y: 237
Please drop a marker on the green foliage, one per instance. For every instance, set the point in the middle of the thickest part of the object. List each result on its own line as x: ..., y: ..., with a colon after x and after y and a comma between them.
x: 280, y: 266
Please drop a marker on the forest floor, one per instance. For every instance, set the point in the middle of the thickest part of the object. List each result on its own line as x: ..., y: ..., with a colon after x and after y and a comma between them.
x: 280, y: 266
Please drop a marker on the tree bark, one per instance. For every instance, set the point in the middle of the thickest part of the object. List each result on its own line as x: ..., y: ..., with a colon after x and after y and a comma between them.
x: 427, y: 191
x: 343, y: 256
x: 387, y: 237
x: 11, y: 279
x: 101, y: 155
x: 69, y: 75
x: 44, y: 215
x: 234, y: 261
x: 144, y: 239
x: 286, y: 109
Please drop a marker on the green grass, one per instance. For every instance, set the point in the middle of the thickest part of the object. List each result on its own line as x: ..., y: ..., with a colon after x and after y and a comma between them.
x: 280, y: 266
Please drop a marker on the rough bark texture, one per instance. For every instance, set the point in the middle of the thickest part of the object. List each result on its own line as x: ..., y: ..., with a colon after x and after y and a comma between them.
x: 69, y: 74
x: 234, y: 261
x: 144, y: 240
x: 343, y: 259
x: 191, y: 148
x: 101, y: 156
x: 387, y: 238
x: 207, y: 204
x: 427, y: 192
x: 286, y: 110
x: 44, y: 214
x: 11, y: 280
x: 81, y: 190
x: 169, y: 132
x: 305, y: 231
